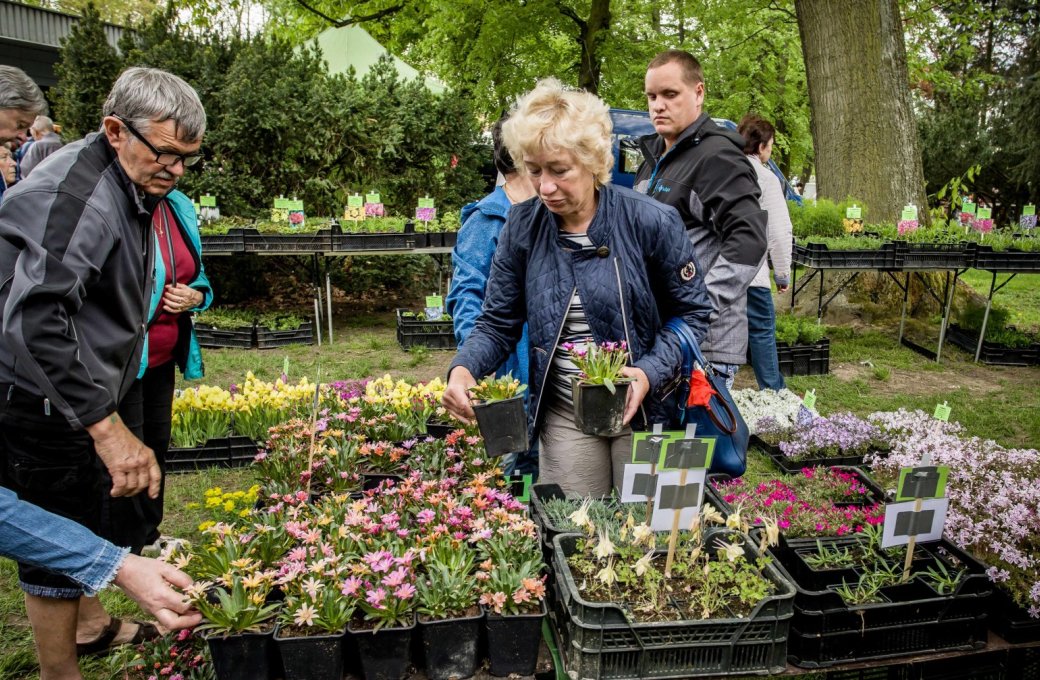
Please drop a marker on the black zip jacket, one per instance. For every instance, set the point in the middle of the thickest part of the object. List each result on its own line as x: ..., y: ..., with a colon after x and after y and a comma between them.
x: 708, y: 179
x: 75, y: 279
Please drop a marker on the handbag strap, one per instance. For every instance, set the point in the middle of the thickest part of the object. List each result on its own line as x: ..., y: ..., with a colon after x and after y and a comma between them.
x: 692, y: 352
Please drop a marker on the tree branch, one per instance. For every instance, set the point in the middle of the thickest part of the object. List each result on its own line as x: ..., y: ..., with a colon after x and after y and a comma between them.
x: 572, y: 15
x: 350, y: 21
x: 774, y: 5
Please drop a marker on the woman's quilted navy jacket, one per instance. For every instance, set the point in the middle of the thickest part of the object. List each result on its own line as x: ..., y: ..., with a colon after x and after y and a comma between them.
x: 640, y: 271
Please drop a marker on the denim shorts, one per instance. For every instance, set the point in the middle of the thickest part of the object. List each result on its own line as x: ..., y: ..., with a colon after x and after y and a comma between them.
x: 51, y: 465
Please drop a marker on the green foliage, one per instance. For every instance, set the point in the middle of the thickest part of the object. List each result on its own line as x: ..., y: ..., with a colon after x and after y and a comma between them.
x: 279, y: 321
x: 228, y: 319
x: 448, y: 587
x: 822, y: 217
x: 798, y: 330
x: 87, y: 67
x: 998, y: 329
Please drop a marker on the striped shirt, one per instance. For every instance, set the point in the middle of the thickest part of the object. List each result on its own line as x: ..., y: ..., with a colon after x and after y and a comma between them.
x: 575, y: 331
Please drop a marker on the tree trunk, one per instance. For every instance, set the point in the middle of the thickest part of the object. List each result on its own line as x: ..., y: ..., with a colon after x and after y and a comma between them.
x: 863, y: 128
x: 591, y: 35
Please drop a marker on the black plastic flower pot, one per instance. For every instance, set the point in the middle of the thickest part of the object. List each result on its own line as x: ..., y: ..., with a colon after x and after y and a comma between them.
x: 597, y: 411
x: 243, y: 656
x: 384, y: 653
x: 311, y: 657
x: 513, y: 642
x: 503, y: 425
x: 451, y: 646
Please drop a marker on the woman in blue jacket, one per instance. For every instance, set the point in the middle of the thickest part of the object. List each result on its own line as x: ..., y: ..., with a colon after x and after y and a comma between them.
x: 179, y: 287
x: 582, y: 260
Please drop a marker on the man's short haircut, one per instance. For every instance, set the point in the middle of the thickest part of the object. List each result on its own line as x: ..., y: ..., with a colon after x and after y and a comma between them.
x: 503, y: 161
x: 692, y: 72
x: 552, y: 118
x: 757, y: 132
x: 145, y: 95
x: 43, y: 125
x: 18, y: 91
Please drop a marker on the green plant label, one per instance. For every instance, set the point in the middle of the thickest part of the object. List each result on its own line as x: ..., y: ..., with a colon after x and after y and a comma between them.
x: 372, y: 197
x: 922, y: 482
x: 854, y: 212
x: 426, y: 202
x: 909, y: 212
x: 434, y: 301
x: 810, y: 399
x: 208, y: 201
x: 1029, y: 210
x: 295, y: 204
x: 647, y: 447
x: 687, y: 453
x: 985, y: 213
x: 282, y: 204
x: 942, y: 412
x: 285, y: 366
x: 968, y: 206
x: 355, y: 201
x: 525, y: 494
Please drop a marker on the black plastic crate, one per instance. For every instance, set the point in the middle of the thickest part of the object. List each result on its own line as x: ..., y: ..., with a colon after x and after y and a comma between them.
x: 310, y: 242
x: 792, y: 467
x: 213, y: 337
x: 1013, y: 623
x: 819, y: 256
x: 241, y: 451
x: 600, y: 643
x: 993, y: 353
x: 812, y: 359
x: 919, y: 256
x: 1005, y: 261
x: 231, y: 242
x: 268, y: 339
x: 1024, y: 663
x: 914, y: 619
x: 214, y: 453
x: 823, y: 650
x: 411, y: 332
x: 389, y: 241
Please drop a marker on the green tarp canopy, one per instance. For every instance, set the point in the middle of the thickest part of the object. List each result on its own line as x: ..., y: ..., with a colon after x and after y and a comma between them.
x: 353, y: 46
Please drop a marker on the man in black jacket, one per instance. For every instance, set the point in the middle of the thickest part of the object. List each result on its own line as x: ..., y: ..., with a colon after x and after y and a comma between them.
x: 76, y: 267
x: 700, y: 169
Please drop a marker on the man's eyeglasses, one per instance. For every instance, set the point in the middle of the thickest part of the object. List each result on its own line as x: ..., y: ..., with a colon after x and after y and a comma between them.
x: 166, y: 158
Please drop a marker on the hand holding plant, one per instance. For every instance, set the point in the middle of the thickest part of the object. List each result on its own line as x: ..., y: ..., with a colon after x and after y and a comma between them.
x: 492, y: 389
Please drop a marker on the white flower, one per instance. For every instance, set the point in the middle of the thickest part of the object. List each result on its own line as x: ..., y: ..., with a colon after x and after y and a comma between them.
x: 732, y: 552
x: 643, y: 564
x: 607, y: 576
x: 580, y: 517
x: 642, y: 533
x: 604, y: 547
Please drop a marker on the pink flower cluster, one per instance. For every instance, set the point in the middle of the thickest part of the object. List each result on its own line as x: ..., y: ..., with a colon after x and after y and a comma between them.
x: 807, y: 505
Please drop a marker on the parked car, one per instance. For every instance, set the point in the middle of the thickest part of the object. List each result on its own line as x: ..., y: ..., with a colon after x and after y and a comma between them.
x: 629, y: 125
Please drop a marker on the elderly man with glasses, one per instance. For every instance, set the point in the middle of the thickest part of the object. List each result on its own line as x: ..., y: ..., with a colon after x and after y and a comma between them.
x: 78, y: 258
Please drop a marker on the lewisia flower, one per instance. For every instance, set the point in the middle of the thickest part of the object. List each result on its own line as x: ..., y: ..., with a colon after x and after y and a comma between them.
x: 305, y: 615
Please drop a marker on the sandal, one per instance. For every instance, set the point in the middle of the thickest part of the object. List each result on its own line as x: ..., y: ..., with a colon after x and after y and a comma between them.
x: 105, y: 643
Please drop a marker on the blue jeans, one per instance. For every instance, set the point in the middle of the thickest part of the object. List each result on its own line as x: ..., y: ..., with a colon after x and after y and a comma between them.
x: 762, y: 339
x: 34, y: 536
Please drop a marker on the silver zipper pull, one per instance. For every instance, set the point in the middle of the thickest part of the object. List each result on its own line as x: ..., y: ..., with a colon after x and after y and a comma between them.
x: 46, y: 407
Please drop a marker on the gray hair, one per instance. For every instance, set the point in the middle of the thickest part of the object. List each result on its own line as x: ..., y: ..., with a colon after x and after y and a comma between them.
x: 18, y: 91
x: 145, y: 95
x: 43, y: 124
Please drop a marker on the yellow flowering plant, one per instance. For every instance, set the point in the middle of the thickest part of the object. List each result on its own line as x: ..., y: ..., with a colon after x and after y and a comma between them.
x: 259, y: 405
x: 225, y: 506
x: 200, y: 414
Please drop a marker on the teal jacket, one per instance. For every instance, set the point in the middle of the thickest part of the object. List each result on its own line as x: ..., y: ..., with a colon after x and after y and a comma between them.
x: 187, y: 353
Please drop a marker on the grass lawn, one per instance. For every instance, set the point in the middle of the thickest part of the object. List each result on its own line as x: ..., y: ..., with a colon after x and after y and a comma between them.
x: 869, y: 371
x: 1021, y: 295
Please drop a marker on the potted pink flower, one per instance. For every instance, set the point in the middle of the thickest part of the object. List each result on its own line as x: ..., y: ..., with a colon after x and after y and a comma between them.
x: 600, y: 390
